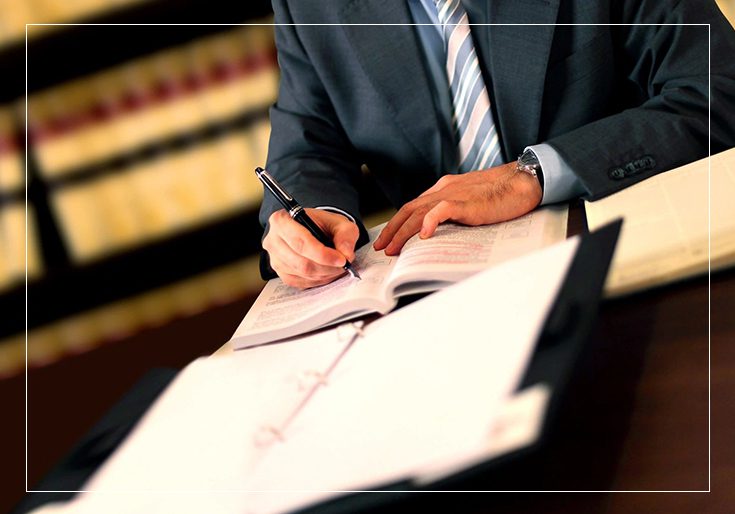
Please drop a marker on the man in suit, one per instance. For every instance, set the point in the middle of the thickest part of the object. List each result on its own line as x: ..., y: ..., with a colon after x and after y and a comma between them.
x: 593, y: 95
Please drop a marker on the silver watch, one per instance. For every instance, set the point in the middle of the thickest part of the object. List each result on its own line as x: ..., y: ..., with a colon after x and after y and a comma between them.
x: 529, y: 163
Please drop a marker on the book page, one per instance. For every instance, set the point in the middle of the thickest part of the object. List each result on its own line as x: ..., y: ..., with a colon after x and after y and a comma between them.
x: 668, y: 220
x: 283, y: 311
x: 456, y: 251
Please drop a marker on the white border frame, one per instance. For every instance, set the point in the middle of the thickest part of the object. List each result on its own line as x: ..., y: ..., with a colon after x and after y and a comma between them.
x: 709, y: 258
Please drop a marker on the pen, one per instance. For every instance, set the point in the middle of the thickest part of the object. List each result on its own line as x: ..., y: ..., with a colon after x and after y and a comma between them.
x: 298, y: 213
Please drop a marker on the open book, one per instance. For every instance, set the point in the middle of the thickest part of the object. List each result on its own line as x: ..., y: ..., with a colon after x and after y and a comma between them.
x: 453, y: 253
x: 415, y: 395
x: 677, y: 224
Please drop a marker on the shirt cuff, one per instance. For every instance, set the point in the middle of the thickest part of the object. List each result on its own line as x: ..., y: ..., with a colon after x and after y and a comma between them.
x: 337, y: 210
x: 560, y: 182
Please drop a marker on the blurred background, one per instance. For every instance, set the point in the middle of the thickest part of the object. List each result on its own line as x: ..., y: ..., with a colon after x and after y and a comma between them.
x: 141, y: 217
x: 142, y: 232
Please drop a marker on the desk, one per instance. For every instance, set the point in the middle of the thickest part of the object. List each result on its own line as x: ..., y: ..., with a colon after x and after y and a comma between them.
x: 644, y: 421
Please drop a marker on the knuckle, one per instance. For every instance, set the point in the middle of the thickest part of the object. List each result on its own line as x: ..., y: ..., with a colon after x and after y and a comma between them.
x: 297, y: 243
x: 409, y: 206
x: 304, y: 267
x: 276, y: 216
x: 325, y: 256
x: 421, y: 211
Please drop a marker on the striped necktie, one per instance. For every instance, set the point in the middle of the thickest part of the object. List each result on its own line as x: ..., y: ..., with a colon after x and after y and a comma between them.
x: 472, y: 119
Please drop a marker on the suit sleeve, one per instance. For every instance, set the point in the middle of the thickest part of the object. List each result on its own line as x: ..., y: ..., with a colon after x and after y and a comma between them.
x: 668, y: 65
x: 308, y: 151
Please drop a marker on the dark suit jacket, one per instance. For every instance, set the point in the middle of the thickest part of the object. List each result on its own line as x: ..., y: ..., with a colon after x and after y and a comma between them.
x: 619, y: 103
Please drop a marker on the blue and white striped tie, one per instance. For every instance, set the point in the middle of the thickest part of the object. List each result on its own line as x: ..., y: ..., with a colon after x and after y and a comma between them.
x: 479, y: 146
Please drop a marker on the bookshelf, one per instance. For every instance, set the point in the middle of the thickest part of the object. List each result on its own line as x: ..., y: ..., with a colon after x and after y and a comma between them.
x: 142, y: 203
x: 98, y: 47
x: 141, y: 139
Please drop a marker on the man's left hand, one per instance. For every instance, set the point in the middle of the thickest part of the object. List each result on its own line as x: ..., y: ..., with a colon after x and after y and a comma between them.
x: 475, y: 198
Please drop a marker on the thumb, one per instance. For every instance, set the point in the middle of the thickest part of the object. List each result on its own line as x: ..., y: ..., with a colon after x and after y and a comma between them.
x: 343, y: 232
x: 345, y: 236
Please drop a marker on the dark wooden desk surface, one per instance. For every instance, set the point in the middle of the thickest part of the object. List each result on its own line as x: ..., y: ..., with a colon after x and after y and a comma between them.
x: 654, y: 366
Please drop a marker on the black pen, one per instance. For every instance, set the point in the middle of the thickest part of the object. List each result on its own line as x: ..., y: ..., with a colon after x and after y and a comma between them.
x: 298, y: 213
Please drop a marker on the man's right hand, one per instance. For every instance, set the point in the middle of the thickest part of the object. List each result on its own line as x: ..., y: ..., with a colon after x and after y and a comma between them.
x: 302, y: 261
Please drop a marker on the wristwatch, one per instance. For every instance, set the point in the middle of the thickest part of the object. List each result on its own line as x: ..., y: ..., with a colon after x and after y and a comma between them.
x: 529, y: 163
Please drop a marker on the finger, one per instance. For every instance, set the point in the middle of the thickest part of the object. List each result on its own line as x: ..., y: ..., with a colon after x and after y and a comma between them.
x: 344, y: 232
x: 395, y: 223
x: 440, y: 213
x: 345, y: 238
x: 303, y: 243
x: 285, y: 259
x: 404, y: 233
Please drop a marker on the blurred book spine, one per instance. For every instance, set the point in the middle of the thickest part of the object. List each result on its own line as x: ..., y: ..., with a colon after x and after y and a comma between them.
x: 13, y: 214
x: 178, y: 91
x: 14, y: 14
x: 158, y: 145
x: 11, y: 160
x: 13, y: 230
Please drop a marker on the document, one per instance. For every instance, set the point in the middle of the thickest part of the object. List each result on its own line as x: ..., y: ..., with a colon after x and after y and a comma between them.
x: 670, y: 220
x: 416, y: 393
x: 452, y: 254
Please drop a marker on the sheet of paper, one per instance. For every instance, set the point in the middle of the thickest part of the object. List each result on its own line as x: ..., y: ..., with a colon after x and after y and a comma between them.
x: 196, y: 446
x: 668, y: 220
x: 518, y: 425
x: 421, y: 389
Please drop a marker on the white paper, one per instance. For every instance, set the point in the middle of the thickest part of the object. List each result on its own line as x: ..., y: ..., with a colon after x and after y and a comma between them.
x: 195, y: 448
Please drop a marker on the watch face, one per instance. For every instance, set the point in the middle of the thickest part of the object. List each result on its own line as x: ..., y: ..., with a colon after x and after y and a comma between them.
x: 528, y: 158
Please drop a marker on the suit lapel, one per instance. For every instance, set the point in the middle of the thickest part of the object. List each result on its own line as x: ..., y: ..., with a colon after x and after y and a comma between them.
x: 518, y: 58
x: 390, y: 57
